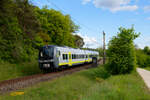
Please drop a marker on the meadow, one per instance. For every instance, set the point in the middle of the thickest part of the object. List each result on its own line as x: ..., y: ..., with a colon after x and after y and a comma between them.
x: 91, y: 84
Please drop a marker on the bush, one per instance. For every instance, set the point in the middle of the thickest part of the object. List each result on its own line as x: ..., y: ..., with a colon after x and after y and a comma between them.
x: 143, y: 60
x: 101, y: 72
x: 121, y: 52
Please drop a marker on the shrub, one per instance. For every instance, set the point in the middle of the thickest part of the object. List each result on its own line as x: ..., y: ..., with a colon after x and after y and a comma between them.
x: 143, y: 60
x: 121, y: 52
x: 101, y: 72
x: 146, y: 50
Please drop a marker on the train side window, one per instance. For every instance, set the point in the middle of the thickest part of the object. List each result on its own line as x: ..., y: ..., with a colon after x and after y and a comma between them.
x: 86, y: 56
x: 90, y: 56
x: 75, y: 56
x: 59, y: 53
x: 64, y: 56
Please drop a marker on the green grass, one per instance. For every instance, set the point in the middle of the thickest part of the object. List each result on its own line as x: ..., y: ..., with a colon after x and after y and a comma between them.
x: 147, y: 68
x: 87, y: 85
x: 9, y: 71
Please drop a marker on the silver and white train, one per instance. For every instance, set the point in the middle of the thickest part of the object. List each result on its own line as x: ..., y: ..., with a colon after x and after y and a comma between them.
x: 54, y: 57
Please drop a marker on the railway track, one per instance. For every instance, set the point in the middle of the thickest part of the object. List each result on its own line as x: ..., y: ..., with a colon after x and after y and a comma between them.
x: 19, y: 83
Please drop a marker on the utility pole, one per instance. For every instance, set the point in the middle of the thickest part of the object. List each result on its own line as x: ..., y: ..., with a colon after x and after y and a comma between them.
x: 104, y: 53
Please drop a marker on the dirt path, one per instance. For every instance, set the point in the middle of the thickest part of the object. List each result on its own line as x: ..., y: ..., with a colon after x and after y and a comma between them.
x: 145, y: 74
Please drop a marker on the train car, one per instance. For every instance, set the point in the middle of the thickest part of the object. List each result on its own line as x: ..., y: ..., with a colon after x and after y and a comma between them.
x: 54, y: 57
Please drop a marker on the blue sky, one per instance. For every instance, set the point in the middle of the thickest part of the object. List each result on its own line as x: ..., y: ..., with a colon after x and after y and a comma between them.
x: 94, y: 16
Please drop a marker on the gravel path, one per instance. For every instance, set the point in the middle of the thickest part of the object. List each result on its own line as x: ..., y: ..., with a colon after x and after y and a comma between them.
x: 145, y: 76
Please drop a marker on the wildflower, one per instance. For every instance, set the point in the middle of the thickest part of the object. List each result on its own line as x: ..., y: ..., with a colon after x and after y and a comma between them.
x: 16, y: 93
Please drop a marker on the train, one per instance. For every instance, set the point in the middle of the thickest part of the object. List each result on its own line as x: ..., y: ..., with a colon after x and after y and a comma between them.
x: 55, y: 57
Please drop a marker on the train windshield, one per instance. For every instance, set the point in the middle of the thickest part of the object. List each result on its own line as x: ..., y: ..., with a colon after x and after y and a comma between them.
x: 46, y: 53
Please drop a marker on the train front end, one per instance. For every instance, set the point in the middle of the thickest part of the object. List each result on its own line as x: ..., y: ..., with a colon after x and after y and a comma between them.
x: 46, y: 58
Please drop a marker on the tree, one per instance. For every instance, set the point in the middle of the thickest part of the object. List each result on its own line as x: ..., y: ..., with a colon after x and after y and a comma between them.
x: 18, y: 28
x: 10, y: 32
x: 59, y: 27
x: 28, y: 21
x: 24, y: 28
x: 146, y: 50
x: 100, y: 50
x: 143, y: 60
x: 79, y: 42
x: 121, y: 52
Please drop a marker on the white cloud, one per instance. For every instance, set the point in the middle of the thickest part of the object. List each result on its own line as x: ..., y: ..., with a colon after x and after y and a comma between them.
x: 148, y: 18
x: 85, y: 1
x: 147, y: 8
x: 115, y: 5
x: 143, y: 41
x: 90, y: 42
x: 124, y: 8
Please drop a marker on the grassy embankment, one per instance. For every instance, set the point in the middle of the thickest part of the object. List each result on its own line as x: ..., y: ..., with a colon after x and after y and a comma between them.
x: 10, y: 71
x: 92, y: 84
x: 147, y: 68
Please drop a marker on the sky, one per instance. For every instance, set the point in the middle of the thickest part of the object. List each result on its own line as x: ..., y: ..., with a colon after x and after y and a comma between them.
x: 96, y: 16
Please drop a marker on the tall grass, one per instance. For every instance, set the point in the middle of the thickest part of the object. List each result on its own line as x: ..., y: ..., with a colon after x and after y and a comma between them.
x: 9, y: 71
x: 87, y: 85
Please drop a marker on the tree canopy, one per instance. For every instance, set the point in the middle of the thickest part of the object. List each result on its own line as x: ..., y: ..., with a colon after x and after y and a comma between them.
x: 24, y: 28
x: 122, y: 52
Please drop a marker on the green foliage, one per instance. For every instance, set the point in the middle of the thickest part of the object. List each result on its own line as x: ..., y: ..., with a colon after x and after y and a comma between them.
x: 28, y: 21
x: 10, y: 71
x: 147, y: 50
x: 101, y: 72
x: 79, y: 42
x: 24, y: 28
x: 59, y: 27
x: 10, y: 32
x: 101, y: 51
x: 98, y: 73
x: 38, y: 42
x: 80, y: 86
x: 143, y: 59
x: 121, y: 52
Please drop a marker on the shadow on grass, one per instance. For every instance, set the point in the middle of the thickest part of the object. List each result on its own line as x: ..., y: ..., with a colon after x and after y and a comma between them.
x: 29, y: 68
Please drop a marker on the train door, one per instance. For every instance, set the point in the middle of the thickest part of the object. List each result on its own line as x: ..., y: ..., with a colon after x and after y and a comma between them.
x: 70, y: 59
x: 88, y: 57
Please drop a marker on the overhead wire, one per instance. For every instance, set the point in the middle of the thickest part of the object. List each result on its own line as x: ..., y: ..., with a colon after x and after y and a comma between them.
x: 62, y: 10
x: 81, y: 24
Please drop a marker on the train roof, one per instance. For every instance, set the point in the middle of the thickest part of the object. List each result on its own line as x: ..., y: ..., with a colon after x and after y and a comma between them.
x: 68, y: 48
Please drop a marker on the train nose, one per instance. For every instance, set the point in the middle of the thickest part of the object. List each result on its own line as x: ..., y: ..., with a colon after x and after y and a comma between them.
x: 46, y: 61
x: 46, y: 65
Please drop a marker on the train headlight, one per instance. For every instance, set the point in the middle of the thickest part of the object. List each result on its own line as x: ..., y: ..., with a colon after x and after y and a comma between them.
x: 46, y: 65
x: 41, y: 54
